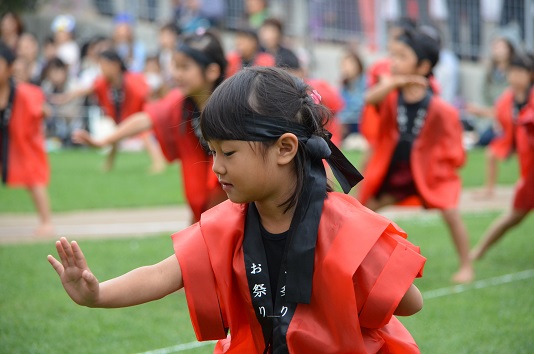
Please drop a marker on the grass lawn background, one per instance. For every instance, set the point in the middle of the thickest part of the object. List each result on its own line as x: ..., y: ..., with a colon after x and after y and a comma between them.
x: 36, y: 316
x: 78, y: 182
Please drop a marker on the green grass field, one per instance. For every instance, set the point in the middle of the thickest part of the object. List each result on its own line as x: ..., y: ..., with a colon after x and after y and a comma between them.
x: 36, y: 316
x: 78, y: 182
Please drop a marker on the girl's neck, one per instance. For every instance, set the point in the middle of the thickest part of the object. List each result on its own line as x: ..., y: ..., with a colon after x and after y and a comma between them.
x: 413, y: 93
x: 273, y: 218
x: 116, y: 81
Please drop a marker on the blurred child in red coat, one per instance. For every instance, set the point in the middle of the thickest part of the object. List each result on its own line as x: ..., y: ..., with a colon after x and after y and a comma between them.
x: 418, y: 147
x: 515, y: 112
x: 22, y: 144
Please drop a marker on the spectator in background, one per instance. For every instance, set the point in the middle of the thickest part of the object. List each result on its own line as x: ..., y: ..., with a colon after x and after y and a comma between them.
x: 247, y: 52
x: 495, y: 83
x: 28, y: 48
x: 469, y: 9
x: 256, y: 12
x: 130, y: 50
x: 11, y: 27
x: 64, y: 118
x: 66, y: 48
x: 189, y: 17
x: 49, y: 50
x: 353, y: 84
x: 89, y: 66
x: 21, y: 70
x: 169, y: 35
x: 154, y: 79
x: 271, y: 35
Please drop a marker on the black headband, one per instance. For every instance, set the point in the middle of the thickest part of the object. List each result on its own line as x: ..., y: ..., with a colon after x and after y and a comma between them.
x: 265, y: 128
x: 195, y: 54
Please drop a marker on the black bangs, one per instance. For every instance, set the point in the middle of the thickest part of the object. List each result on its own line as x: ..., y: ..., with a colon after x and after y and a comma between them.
x: 222, y: 118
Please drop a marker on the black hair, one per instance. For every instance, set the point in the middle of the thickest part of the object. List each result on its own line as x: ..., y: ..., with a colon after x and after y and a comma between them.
x: 274, y: 22
x: 523, y: 61
x: 353, y: 54
x: 171, y: 27
x: 210, y: 46
x: 405, y: 23
x: 7, y: 53
x: 265, y: 91
x: 286, y: 59
x: 424, y: 46
x: 112, y: 55
x: 247, y: 31
x: 54, y: 63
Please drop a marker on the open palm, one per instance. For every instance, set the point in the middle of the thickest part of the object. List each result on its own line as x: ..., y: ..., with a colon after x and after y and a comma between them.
x: 78, y: 281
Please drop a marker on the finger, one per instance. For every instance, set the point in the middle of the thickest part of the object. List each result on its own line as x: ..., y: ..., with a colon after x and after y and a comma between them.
x: 61, y: 253
x: 79, y: 258
x: 58, y: 267
x: 68, y: 251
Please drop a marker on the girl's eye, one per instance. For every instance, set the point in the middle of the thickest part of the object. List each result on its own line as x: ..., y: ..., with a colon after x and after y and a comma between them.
x: 228, y: 153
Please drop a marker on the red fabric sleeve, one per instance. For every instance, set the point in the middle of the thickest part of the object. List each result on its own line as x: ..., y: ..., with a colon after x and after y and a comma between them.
x: 385, y: 276
x: 199, y: 284
x: 165, y: 115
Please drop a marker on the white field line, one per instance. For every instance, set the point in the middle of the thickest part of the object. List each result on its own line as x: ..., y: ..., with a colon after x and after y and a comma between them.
x: 431, y: 294
x: 179, y: 348
x: 479, y: 284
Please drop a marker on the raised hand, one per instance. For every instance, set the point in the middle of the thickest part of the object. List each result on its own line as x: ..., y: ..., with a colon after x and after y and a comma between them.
x: 79, y: 283
x: 81, y: 136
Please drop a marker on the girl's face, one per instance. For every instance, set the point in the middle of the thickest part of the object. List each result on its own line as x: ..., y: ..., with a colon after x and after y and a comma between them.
x: 109, y: 68
x: 269, y: 36
x: 350, y: 68
x: 188, y: 75
x: 245, y: 172
x: 500, y: 50
x: 403, y: 59
x: 57, y: 76
x: 8, y: 25
x: 246, y: 46
x: 519, y: 79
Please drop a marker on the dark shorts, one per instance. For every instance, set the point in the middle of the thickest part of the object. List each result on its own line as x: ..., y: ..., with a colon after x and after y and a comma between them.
x: 399, y: 182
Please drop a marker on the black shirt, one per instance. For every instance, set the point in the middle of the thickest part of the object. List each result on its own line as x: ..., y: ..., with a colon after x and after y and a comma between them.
x: 404, y: 146
x: 274, y: 245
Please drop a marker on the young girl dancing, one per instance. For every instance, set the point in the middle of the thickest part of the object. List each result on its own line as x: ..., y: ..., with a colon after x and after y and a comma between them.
x: 286, y: 265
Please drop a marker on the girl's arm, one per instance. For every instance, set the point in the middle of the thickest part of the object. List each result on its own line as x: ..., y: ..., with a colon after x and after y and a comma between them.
x: 64, y: 98
x: 411, y: 303
x: 136, y: 287
x: 133, y: 125
x: 376, y: 93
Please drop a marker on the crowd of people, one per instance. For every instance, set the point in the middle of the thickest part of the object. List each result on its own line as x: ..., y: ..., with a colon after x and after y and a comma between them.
x: 244, y: 122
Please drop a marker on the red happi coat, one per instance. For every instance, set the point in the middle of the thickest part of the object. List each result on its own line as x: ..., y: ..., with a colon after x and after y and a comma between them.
x: 235, y: 63
x: 136, y: 93
x: 363, y: 267
x: 436, y: 155
x: 369, y: 120
x: 520, y: 134
x: 178, y: 141
x: 27, y: 160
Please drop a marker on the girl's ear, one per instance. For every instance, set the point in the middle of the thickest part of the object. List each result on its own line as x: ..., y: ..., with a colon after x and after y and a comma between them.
x: 212, y: 72
x: 286, y: 148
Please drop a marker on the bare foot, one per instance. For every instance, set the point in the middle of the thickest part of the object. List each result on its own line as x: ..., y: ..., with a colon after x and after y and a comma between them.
x: 157, y: 168
x: 45, y: 230
x: 465, y: 275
